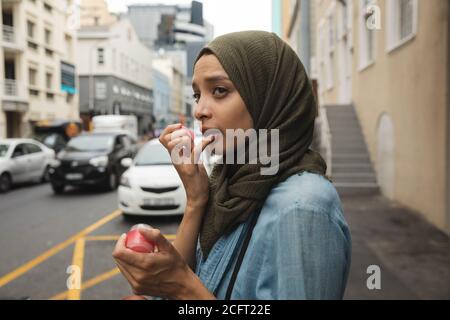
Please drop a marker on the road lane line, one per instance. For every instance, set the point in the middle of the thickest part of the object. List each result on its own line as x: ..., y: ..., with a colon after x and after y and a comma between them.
x: 104, y: 276
x: 90, y: 283
x: 77, y: 260
x: 49, y: 253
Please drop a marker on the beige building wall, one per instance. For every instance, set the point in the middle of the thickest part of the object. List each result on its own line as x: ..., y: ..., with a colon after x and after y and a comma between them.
x: 408, y: 86
x: 50, y: 42
x: 95, y: 13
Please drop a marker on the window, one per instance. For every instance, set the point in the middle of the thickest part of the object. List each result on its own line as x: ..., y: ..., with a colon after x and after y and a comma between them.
x: 19, y: 150
x: 48, y: 52
x: 48, y: 37
x: 100, y: 55
x: 30, y: 29
x: 126, y: 142
x: 32, y: 76
x: 366, y: 35
x: 33, y: 148
x: 48, y: 7
x: 68, y: 42
x: 49, y: 80
x: 401, y: 22
x: 100, y: 90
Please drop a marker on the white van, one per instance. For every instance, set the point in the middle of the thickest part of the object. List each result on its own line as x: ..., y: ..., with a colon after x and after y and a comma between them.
x: 116, y: 123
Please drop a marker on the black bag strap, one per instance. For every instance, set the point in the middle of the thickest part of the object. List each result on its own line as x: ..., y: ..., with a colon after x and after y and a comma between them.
x: 242, y: 254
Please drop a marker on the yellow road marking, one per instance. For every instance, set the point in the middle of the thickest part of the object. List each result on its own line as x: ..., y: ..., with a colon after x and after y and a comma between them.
x: 78, y: 260
x: 98, y: 279
x: 90, y: 283
x: 49, y: 253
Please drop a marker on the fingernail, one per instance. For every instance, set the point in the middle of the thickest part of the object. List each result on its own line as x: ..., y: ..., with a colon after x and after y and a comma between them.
x: 144, y: 226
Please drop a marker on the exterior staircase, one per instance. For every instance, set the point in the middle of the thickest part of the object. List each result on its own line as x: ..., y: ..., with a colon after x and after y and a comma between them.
x: 351, y: 168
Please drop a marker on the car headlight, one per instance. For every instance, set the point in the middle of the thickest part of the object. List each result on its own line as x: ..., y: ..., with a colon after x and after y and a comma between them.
x: 125, y: 181
x: 99, y: 161
x: 55, y: 163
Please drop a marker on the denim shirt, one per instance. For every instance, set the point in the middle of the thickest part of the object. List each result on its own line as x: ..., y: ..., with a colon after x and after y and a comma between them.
x: 300, y: 247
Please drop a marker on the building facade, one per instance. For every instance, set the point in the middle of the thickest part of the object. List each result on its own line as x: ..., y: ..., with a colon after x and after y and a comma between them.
x: 170, y: 26
x: 162, y: 98
x: 390, y: 59
x: 37, y: 73
x: 115, y: 73
x: 96, y: 13
x: 179, y: 31
x: 173, y: 65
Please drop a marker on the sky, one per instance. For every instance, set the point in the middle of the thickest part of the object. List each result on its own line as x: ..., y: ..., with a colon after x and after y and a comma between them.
x: 226, y: 15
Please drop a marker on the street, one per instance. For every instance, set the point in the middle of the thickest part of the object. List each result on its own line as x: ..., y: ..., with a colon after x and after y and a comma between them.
x: 39, y: 232
x: 43, y: 234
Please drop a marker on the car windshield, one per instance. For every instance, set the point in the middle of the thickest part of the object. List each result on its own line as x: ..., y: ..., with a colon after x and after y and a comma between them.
x: 152, y: 155
x: 91, y: 143
x: 3, y: 150
x: 49, y: 139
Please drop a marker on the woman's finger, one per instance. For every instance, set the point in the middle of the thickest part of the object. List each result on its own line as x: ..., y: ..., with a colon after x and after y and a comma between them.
x: 199, y: 148
x: 120, y: 244
x: 155, y: 236
x: 170, y: 128
x: 180, y: 133
x: 123, y: 269
x: 181, y: 141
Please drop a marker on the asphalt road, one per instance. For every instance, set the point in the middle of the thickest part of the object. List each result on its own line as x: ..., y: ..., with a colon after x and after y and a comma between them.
x: 41, y: 235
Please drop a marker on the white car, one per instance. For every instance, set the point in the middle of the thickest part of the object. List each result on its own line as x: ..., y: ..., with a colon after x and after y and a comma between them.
x: 23, y: 160
x: 151, y: 185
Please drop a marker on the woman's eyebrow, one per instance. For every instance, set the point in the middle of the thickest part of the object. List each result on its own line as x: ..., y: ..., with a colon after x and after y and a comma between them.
x: 212, y: 79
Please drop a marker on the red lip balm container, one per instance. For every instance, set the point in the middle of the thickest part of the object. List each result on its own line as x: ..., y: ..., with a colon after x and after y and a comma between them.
x: 136, y: 241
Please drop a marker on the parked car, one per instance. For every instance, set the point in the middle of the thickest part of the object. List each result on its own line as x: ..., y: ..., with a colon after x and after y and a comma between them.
x: 23, y: 160
x: 151, y: 185
x: 91, y: 159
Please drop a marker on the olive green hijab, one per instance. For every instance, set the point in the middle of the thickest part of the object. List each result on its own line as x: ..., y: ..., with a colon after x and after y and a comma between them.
x: 277, y: 92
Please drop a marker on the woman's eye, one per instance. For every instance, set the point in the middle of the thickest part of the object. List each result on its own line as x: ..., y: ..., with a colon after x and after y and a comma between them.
x: 219, y: 90
x: 196, y: 97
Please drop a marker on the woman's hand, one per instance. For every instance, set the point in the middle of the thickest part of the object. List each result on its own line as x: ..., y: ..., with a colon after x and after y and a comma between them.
x: 163, y: 273
x: 192, y: 173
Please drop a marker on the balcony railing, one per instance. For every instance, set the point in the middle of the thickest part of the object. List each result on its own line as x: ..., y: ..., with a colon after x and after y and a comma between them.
x: 11, y: 88
x: 9, y: 34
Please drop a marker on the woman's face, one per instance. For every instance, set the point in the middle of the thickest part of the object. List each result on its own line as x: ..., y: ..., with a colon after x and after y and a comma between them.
x: 219, y: 105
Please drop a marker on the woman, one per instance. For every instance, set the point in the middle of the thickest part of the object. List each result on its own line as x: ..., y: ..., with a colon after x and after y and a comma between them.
x: 248, y: 235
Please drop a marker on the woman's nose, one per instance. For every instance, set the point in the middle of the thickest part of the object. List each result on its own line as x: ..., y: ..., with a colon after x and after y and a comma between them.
x: 201, y: 111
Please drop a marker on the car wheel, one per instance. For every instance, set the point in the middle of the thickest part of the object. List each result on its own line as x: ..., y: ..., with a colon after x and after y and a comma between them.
x: 58, y: 188
x: 5, y: 182
x: 46, y: 176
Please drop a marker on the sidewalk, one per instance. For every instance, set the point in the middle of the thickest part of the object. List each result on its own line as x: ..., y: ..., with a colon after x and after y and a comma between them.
x: 414, y: 256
